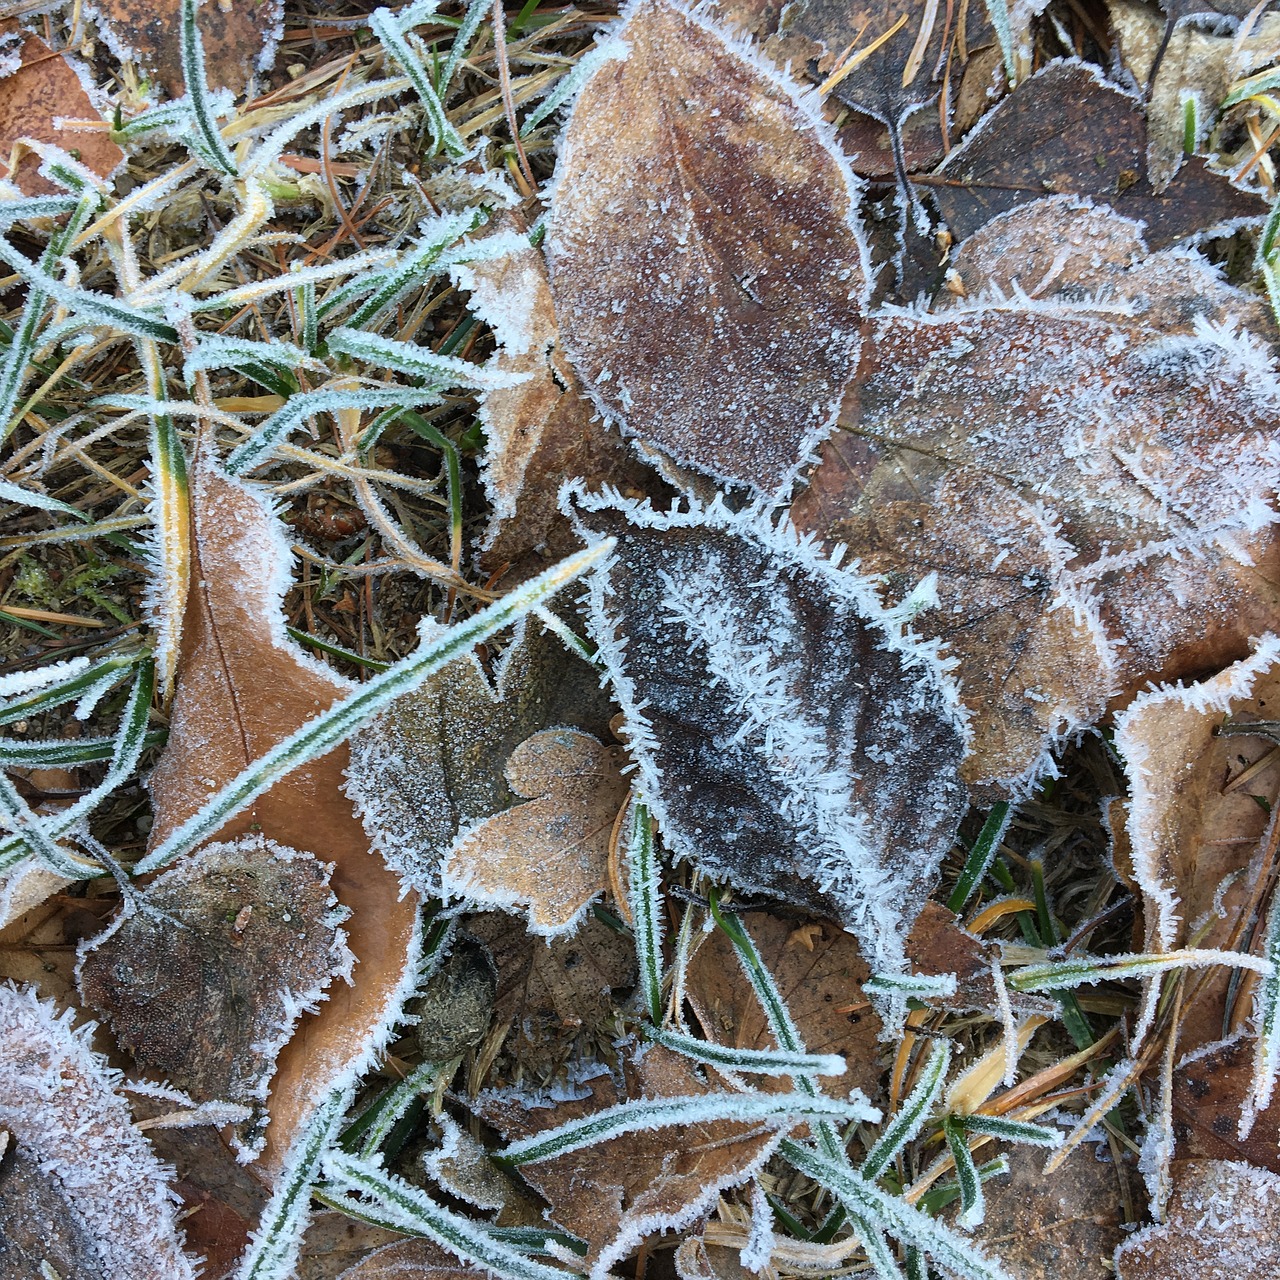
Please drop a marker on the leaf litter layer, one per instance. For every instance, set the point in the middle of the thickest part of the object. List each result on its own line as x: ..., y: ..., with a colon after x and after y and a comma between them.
x: 327, y: 292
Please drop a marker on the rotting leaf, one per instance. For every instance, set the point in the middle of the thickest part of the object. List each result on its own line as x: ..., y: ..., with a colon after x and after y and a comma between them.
x: 1209, y: 1092
x: 238, y: 942
x: 549, y: 855
x: 1067, y: 131
x: 1089, y: 475
x: 614, y: 1193
x: 408, y: 1260
x: 58, y: 1103
x: 242, y: 688
x: 239, y: 39
x: 791, y: 738
x: 556, y: 995
x: 43, y: 89
x: 433, y: 763
x: 713, y: 309
x: 542, y: 431
x: 818, y: 971
x: 1223, y: 1222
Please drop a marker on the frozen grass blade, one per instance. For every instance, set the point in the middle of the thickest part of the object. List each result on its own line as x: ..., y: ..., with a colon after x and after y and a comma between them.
x: 218, y: 351
x: 34, y: 841
x: 16, y: 494
x: 214, y: 151
x: 22, y: 210
x: 890, y: 1213
x: 913, y: 1113
x: 760, y: 1062
x: 387, y: 27
x: 638, y: 1114
x: 417, y: 362
x: 1060, y: 974
x: 330, y: 728
x: 568, y: 86
x: 1266, y: 1052
x: 17, y: 753
x: 273, y: 1250
x: 645, y: 899
x: 998, y: 11
x: 306, y: 301
x: 471, y: 20
x: 1268, y: 260
x: 972, y: 1207
x: 1035, y: 1135
x: 58, y: 683
x: 980, y: 856
x: 410, y: 1209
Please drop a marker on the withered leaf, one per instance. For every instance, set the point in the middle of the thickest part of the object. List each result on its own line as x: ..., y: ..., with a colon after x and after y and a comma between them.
x: 239, y: 39
x: 433, y: 762
x: 549, y: 855
x: 714, y: 308
x: 42, y: 89
x: 1090, y: 485
x: 614, y: 1193
x: 243, y: 687
x: 1067, y: 131
x: 542, y: 431
x: 408, y: 1260
x: 58, y: 1103
x: 819, y: 972
x: 791, y: 738
x: 1208, y: 1097
x: 237, y: 942
x: 1223, y: 1222
x: 557, y: 994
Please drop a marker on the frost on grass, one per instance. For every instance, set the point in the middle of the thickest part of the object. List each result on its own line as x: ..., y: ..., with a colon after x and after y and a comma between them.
x: 792, y: 737
x: 204, y: 982
x: 434, y: 762
x: 1085, y: 455
x: 550, y: 854
x: 713, y: 308
x: 58, y: 1102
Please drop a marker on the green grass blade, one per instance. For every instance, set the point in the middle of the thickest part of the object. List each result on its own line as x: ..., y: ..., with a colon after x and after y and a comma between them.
x: 192, y: 50
x: 979, y: 859
x: 387, y: 27
x: 645, y: 898
x: 913, y: 1113
x: 763, y: 1062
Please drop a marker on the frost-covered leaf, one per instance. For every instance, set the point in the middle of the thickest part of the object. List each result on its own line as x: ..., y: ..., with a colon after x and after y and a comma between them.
x: 550, y: 855
x: 239, y: 39
x: 1067, y: 131
x: 614, y: 1193
x: 792, y: 738
x: 433, y: 763
x: 714, y: 308
x: 35, y: 97
x: 544, y: 430
x: 1089, y: 476
x: 418, y: 1259
x: 1223, y: 1222
x: 242, y: 688
x: 59, y: 1104
x: 819, y: 973
x: 1209, y: 1091
x: 206, y: 983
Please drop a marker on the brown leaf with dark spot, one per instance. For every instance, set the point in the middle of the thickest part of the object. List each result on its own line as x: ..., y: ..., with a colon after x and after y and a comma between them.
x: 549, y: 855
x: 557, y: 994
x: 409, y: 1260
x: 542, y: 431
x: 205, y: 982
x: 242, y: 688
x: 819, y: 971
x: 1067, y: 131
x: 1207, y: 1097
x: 45, y: 88
x: 239, y: 38
x: 1223, y: 1223
x: 614, y: 1193
x: 335, y: 1245
x: 714, y: 308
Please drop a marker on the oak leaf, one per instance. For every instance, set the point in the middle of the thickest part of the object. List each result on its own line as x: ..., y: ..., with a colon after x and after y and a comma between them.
x: 206, y: 983
x: 60, y: 1106
x: 242, y: 688
x: 551, y: 854
x: 791, y: 738
x: 714, y: 308
x: 36, y: 94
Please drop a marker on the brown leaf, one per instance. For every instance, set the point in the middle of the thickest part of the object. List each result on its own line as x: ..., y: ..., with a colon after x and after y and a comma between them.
x: 1064, y: 1226
x: 1067, y: 131
x: 409, y: 1260
x: 1223, y: 1222
x: 614, y: 1193
x: 1112, y: 528
x: 433, y: 763
x: 45, y: 88
x: 58, y: 1103
x: 558, y: 995
x: 239, y: 39
x: 542, y: 431
x: 550, y: 855
x: 714, y: 308
x: 818, y: 970
x: 335, y: 1244
x: 242, y: 688
x: 205, y: 983
x: 1207, y: 1096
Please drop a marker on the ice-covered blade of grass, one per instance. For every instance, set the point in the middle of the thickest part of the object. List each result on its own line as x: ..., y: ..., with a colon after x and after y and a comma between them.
x: 762, y: 1062
x: 1059, y: 975
x: 389, y: 29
